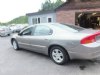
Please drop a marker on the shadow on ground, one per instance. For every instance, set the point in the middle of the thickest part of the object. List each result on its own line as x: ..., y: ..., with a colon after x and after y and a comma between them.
x: 81, y: 64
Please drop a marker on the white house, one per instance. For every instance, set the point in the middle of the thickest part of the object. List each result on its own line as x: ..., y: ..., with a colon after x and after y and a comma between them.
x: 41, y: 17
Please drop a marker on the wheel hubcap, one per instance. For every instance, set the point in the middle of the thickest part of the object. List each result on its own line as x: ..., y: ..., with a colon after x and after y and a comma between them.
x: 57, y: 55
x: 14, y: 45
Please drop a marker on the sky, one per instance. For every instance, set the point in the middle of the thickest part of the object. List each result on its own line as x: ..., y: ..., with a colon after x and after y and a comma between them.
x: 10, y: 9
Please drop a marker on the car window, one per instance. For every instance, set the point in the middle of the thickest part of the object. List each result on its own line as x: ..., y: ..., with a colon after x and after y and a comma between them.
x: 27, y: 31
x: 75, y: 27
x: 71, y: 28
x: 42, y: 31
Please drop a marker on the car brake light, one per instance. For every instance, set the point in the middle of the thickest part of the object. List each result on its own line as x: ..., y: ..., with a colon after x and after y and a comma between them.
x: 90, y: 39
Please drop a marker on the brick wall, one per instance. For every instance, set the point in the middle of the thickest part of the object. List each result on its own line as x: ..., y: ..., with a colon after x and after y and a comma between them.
x: 65, y: 17
x: 68, y: 16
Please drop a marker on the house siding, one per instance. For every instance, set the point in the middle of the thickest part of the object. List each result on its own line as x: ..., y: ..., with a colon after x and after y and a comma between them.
x: 43, y: 18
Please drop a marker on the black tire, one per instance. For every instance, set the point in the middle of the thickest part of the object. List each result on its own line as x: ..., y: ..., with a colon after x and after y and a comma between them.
x: 64, y: 58
x: 13, y: 43
x: 8, y: 34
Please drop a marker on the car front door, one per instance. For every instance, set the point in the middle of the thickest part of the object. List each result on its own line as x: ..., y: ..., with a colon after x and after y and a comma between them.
x: 24, y: 38
x: 41, y: 38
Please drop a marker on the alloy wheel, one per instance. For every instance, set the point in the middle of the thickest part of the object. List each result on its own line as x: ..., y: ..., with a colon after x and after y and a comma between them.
x: 15, y: 45
x: 57, y: 55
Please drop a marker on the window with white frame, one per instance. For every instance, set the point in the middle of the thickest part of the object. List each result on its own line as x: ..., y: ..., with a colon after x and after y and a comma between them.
x: 34, y: 20
x: 49, y: 19
x: 38, y: 20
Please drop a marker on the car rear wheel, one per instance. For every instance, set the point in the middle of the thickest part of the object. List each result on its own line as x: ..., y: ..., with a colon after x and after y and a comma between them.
x: 15, y: 45
x: 59, y: 55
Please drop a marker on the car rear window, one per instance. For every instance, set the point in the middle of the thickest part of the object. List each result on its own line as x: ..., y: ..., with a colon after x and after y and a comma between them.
x: 69, y: 27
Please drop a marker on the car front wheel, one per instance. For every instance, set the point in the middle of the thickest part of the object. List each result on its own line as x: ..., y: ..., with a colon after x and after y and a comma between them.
x: 59, y: 55
x: 15, y: 45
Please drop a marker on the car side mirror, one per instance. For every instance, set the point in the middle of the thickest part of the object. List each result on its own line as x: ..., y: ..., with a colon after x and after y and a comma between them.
x: 19, y: 34
x: 50, y: 33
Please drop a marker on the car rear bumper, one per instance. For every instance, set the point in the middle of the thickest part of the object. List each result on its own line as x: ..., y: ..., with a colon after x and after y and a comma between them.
x: 89, y: 51
x: 3, y: 34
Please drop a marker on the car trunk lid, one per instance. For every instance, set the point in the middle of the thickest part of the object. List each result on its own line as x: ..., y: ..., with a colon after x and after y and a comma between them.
x: 92, y: 35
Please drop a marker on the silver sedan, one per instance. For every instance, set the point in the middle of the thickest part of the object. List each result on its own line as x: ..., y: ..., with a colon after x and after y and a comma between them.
x: 59, y: 41
x: 5, y: 31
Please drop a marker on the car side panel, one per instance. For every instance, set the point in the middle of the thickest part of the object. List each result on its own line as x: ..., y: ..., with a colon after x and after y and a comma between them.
x: 23, y: 41
x: 40, y: 44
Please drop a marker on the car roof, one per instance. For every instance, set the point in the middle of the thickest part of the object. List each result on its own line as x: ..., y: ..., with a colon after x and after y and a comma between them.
x: 48, y: 24
x: 45, y: 23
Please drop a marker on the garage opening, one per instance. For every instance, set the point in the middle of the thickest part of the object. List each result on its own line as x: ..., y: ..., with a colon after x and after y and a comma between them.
x: 88, y: 19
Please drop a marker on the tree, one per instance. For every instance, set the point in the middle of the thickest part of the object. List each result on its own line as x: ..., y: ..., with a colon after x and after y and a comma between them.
x: 48, y: 5
x: 19, y: 20
x: 58, y: 3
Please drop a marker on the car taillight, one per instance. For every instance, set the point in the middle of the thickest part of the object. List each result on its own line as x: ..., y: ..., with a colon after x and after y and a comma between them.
x: 90, y: 39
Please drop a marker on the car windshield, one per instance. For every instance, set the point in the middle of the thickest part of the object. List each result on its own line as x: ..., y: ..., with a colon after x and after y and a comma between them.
x: 71, y: 28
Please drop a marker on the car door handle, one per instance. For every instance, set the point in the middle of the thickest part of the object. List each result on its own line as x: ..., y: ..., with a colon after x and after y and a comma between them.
x: 45, y: 39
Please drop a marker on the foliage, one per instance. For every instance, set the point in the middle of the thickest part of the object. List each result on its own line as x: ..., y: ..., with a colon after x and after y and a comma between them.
x: 48, y: 5
x: 19, y: 20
